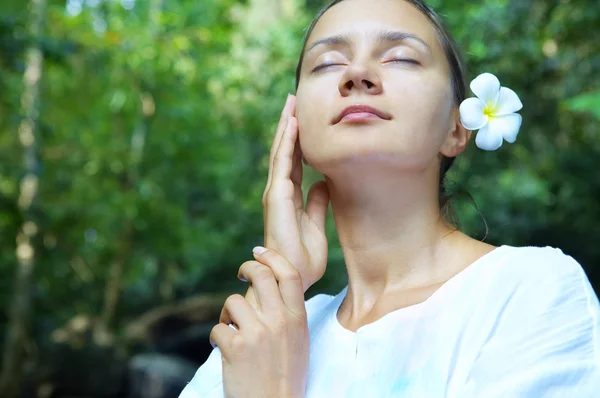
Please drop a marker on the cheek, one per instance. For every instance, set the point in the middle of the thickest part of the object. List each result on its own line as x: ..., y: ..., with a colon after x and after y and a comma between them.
x: 424, y: 113
x: 303, y: 110
x: 430, y: 107
x: 310, y: 114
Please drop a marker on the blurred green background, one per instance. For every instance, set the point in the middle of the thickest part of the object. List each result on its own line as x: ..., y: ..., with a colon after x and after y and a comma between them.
x: 134, y: 140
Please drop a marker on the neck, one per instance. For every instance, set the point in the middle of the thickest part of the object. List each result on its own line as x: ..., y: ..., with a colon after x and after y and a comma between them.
x: 391, y: 232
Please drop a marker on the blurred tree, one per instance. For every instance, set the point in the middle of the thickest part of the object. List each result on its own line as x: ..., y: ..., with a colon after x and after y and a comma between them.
x: 155, y: 121
x: 20, y: 311
x: 131, y: 181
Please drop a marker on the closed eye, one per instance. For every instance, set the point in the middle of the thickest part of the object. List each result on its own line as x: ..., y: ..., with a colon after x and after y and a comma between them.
x: 402, y: 60
x: 405, y: 60
x: 321, y: 67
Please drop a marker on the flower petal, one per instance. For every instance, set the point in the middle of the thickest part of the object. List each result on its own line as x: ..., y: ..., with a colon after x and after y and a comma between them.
x: 508, y: 102
x: 487, y: 140
x: 487, y: 88
x: 506, y: 126
x: 471, y: 114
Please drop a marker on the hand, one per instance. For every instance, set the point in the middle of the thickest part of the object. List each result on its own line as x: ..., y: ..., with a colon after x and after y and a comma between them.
x: 298, y: 234
x: 268, y: 355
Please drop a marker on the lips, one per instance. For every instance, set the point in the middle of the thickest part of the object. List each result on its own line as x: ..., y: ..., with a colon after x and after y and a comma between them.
x: 361, y: 109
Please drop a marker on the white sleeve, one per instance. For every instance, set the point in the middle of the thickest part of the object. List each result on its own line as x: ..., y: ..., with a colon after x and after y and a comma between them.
x: 545, y: 341
x: 208, y: 380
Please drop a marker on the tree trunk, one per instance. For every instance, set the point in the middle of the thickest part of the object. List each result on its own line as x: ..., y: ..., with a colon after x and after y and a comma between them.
x: 20, y: 311
x: 168, y: 272
x: 114, y: 282
x: 112, y: 291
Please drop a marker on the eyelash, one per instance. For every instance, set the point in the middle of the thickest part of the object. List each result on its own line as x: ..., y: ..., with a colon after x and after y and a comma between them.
x: 407, y: 60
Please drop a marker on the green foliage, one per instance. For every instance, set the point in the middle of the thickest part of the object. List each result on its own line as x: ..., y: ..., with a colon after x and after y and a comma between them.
x: 156, y: 125
x: 585, y: 103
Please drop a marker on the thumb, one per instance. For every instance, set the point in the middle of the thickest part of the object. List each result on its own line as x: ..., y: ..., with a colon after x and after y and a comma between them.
x: 317, y: 203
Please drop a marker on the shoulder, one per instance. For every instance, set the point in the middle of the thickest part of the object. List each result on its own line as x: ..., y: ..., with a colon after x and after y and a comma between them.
x: 537, y: 276
x: 541, y: 291
x: 540, y: 258
x: 537, y: 267
x: 546, y: 274
x: 538, y: 326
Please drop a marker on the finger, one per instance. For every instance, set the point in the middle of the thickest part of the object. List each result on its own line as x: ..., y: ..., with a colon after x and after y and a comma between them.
x: 317, y: 203
x: 290, y: 280
x: 239, y: 312
x: 296, y: 174
x: 288, y: 111
x: 282, y: 162
x: 265, y: 286
x: 220, y: 335
x: 225, y: 318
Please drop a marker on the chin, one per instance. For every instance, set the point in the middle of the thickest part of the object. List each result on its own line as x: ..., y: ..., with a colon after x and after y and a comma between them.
x: 327, y: 162
x: 361, y: 155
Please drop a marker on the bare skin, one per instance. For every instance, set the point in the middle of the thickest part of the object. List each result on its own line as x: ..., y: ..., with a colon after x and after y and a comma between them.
x: 381, y: 177
x: 382, y: 174
x: 267, y: 355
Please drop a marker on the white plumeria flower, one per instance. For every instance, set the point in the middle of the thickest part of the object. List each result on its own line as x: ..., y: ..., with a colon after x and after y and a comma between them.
x: 492, y: 112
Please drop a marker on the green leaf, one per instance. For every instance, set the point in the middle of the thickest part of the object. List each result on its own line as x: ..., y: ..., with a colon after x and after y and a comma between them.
x: 589, y: 102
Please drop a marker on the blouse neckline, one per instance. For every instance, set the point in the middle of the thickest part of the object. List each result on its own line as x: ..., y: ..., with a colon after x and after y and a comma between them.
x: 411, y: 310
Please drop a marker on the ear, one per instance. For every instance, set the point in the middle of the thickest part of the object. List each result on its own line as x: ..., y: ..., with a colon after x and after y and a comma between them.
x: 457, y: 138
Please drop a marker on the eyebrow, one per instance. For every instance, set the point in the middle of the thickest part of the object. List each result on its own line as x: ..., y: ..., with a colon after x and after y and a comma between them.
x: 383, y: 36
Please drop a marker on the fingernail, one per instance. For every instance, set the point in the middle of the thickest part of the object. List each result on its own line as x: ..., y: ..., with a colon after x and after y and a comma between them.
x: 242, y: 279
x: 259, y: 250
x: 212, y: 343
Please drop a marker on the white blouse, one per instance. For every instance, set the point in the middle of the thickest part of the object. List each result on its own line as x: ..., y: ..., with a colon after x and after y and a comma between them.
x: 518, y: 322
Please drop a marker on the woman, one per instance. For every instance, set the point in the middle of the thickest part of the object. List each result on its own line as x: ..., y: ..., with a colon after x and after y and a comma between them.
x: 428, y: 311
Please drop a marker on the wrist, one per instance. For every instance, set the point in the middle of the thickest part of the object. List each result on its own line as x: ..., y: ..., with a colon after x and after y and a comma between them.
x: 293, y: 392
x: 289, y: 394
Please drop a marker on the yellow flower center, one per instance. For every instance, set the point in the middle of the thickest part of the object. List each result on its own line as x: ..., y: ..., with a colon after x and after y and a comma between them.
x: 489, y: 111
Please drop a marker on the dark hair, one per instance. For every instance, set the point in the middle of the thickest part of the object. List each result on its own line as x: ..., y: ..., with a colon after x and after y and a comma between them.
x: 457, y: 79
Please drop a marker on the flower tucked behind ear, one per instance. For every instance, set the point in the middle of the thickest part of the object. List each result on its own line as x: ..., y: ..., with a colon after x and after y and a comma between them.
x: 492, y: 112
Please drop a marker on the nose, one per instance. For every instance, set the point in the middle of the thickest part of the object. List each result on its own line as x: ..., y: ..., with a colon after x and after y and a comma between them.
x: 360, y: 77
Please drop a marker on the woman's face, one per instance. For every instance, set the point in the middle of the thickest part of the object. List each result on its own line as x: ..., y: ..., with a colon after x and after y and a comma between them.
x: 404, y: 74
